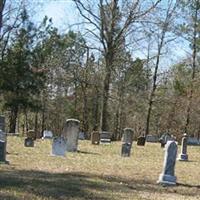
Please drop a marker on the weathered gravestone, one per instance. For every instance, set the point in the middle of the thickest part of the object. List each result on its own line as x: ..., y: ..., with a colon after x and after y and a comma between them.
x: 141, y: 140
x: 183, y: 155
x: 59, y: 146
x: 165, y: 138
x: 3, y: 143
x: 47, y: 134
x: 71, y: 134
x: 152, y: 138
x: 127, y: 140
x: 105, y: 137
x: 95, y: 137
x: 167, y: 177
x: 29, y: 141
x: 81, y: 135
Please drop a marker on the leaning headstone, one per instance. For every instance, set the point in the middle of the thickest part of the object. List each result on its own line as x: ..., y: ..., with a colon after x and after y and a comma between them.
x: 59, y: 146
x: 105, y: 137
x: 95, y: 137
x: 29, y: 142
x: 3, y: 142
x: 47, y: 134
x: 127, y: 140
x: 71, y: 134
x: 2, y: 123
x: 183, y: 155
x: 167, y: 177
x: 141, y: 140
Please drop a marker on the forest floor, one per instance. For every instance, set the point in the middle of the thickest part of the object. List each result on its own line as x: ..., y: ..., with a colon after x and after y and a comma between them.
x: 95, y: 173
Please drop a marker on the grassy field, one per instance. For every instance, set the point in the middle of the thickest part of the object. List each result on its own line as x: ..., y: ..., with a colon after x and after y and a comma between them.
x: 95, y: 172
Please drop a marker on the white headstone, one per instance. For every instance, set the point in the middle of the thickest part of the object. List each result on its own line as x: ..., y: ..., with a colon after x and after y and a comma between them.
x: 47, y: 134
x: 59, y: 146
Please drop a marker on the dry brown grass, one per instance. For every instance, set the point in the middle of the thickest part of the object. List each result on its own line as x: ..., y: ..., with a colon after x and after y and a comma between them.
x: 96, y: 173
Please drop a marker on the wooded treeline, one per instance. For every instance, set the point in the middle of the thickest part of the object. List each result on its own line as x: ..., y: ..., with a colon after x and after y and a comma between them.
x: 97, y: 75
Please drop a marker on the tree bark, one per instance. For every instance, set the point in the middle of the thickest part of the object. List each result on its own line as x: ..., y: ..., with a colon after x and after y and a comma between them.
x: 2, y: 5
x: 105, y: 97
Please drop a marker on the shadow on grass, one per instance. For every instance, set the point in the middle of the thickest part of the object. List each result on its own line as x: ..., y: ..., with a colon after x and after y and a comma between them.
x: 188, y: 185
x: 78, y: 186
x: 87, y: 152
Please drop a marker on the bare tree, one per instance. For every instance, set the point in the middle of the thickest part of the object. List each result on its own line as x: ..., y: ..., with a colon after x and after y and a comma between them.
x: 112, y: 22
x: 165, y: 25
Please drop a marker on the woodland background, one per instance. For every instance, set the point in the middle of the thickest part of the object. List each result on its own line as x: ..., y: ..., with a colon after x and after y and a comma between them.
x: 97, y: 74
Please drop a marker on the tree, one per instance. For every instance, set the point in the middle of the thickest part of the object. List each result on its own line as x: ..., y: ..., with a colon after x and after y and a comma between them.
x: 164, y: 28
x: 191, y: 32
x: 20, y: 81
x: 113, y: 21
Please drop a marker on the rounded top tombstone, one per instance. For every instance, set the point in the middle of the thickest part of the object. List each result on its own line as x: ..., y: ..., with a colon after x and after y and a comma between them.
x: 73, y: 121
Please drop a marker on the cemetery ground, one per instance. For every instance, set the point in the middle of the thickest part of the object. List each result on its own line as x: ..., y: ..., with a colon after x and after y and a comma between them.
x: 96, y: 172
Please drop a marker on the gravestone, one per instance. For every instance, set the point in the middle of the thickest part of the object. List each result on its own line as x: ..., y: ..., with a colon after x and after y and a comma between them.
x: 167, y: 177
x: 3, y: 143
x: 47, y: 134
x: 141, y: 140
x: 71, y: 133
x: 127, y: 136
x: 183, y: 155
x: 2, y: 123
x: 152, y: 138
x: 165, y: 138
x: 95, y: 137
x: 29, y: 142
x: 81, y: 135
x: 127, y: 140
x: 59, y: 146
x: 105, y: 137
x: 126, y: 150
x: 193, y: 141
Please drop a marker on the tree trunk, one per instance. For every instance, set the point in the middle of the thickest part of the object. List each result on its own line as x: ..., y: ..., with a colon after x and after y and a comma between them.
x: 105, y: 97
x: 37, y: 133
x: 152, y: 94
x: 26, y: 121
x: 13, y: 119
x: 95, y: 110
x: 2, y: 4
x: 85, y: 111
